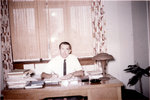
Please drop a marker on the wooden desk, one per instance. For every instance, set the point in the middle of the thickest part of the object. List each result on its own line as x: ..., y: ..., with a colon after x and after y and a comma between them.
x: 108, y: 90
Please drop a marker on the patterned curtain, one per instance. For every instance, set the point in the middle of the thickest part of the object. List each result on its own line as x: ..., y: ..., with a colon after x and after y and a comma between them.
x: 98, y: 26
x: 98, y: 29
x: 5, y: 39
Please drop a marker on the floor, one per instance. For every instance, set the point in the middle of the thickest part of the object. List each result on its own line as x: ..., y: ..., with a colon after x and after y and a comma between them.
x: 128, y: 94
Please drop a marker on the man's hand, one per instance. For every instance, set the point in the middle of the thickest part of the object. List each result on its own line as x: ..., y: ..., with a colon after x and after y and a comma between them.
x: 74, y: 74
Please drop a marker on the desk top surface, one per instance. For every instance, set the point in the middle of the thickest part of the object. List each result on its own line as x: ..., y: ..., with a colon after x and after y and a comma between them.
x: 112, y: 82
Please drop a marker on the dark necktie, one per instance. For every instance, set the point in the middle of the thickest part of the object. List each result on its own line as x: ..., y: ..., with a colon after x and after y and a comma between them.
x: 64, y: 66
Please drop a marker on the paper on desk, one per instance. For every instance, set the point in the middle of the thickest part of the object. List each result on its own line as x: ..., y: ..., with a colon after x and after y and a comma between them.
x: 95, y: 76
x: 52, y: 80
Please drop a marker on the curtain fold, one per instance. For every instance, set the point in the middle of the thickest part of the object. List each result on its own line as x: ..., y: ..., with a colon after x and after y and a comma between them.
x: 98, y: 29
x: 24, y: 30
x: 6, y: 50
x: 99, y: 26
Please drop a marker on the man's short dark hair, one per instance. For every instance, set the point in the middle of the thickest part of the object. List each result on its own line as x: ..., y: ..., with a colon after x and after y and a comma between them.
x: 66, y: 43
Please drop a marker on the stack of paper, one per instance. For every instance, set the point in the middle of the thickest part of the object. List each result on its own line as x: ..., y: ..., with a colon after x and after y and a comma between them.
x: 17, y: 78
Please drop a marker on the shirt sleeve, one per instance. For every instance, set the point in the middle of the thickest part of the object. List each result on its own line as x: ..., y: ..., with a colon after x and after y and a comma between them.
x: 77, y: 65
x: 47, y: 68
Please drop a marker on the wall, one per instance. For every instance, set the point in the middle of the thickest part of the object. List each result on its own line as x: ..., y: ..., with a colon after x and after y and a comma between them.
x: 127, y: 40
x: 148, y: 17
x: 148, y: 20
x: 140, y: 33
x: 119, y: 38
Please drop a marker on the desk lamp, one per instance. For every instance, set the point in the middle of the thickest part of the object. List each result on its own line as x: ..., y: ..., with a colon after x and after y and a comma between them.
x: 103, y: 58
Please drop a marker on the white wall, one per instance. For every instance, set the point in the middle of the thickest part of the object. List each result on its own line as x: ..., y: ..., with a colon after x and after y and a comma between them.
x: 127, y: 38
x: 148, y: 17
x: 140, y: 33
x: 119, y: 38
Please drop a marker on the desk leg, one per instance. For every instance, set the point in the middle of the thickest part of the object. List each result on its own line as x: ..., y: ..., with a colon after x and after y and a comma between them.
x: 119, y: 93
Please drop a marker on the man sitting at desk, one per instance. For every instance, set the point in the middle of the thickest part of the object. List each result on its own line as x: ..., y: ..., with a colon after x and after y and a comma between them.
x: 65, y: 65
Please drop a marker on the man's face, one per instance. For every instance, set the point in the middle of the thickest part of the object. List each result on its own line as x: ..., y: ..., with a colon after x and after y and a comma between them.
x: 64, y: 50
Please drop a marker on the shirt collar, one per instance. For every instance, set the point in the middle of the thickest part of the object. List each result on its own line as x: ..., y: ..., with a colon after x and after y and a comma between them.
x: 65, y: 58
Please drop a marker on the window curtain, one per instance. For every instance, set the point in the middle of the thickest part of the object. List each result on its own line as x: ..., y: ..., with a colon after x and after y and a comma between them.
x: 98, y: 29
x: 28, y: 29
x: 6, y: 50
x: 70, y: 21
x: 99, y: 26
x: 39, y: 26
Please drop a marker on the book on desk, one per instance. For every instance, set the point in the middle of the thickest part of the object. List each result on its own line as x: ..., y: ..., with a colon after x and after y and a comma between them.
x: 17, y: 78
x: 34, y: 84
x: 52, y: 81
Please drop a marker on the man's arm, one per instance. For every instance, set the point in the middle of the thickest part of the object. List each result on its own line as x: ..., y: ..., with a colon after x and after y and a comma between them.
x: 79, y: 73
x: 46, y: 75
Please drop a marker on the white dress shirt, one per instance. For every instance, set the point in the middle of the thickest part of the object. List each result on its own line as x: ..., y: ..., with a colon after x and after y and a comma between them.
x: 56, y: 65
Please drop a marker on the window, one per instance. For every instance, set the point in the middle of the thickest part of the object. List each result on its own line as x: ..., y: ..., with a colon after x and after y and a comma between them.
x: 38, y: 27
